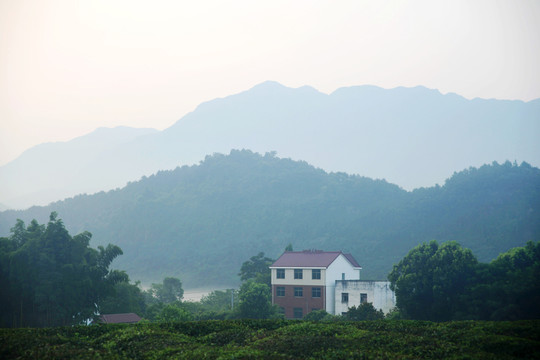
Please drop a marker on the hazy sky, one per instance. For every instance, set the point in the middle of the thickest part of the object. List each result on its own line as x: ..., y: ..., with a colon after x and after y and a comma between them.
x: 68, y: 67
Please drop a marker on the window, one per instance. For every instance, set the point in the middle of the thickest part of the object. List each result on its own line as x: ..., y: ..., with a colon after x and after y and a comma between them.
x: 315, y: 309
x: 298, y: 274
x: 316, y: 274
x: 344, y: 297
x: 316, y: 292
x: 280, y: 274
x: 342, y: 276
x: 298, y: 292
x: 282, y: 310
x: 363, y: 298
x: 280, y: 291
x: 298, y: 313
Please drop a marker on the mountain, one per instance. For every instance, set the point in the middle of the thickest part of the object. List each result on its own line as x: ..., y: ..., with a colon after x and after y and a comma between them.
x: 201, y: 222
x: 53, y: 171
x: 412, y: 137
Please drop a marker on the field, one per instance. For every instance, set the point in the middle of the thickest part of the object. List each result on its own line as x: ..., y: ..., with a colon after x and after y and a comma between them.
x: 278, y: 339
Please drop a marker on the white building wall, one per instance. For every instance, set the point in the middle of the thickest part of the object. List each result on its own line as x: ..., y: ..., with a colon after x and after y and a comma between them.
x: 378, y: 293
x: 334, y: 272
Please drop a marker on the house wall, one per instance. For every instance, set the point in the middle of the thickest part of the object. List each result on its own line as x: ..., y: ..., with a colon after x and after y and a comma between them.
x: 307, y: 303
x: 334, y: 272
x: 306, y: 280
x: 378, y: 293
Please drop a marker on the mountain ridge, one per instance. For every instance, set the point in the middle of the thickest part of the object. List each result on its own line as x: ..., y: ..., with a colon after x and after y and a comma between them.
x: 395, y: 134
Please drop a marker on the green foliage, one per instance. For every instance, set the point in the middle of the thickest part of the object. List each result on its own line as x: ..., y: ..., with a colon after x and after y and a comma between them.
x: 430, y: 281
x: 447, y: 283
x: 153, y: 310
x: 364, y: 311
x: 169, y: 291
x: 127, y: 298
x: 257, y: 269
x: 319, y: 315
x: 50, y: 278
x: 255, y: 300
x: 394, y: 314
x: 174, y: 312
x: 218, y: 300
x: 278, y: 339
x: 508, y: 288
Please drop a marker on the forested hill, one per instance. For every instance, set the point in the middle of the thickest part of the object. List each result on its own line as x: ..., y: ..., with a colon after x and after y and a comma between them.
x: 380, y: 133
x: 201, y: 222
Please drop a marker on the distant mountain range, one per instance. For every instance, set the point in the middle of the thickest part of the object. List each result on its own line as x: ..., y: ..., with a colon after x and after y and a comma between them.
x: 201, y: 222
x: 412, y: 137
x: 54, y: 171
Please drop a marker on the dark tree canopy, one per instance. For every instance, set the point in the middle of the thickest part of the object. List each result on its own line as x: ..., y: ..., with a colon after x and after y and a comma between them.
x: 447, y: 283
x: 255, y: 300
x: 50, y: 278
x: 431, y: 279
x: 219, y: 300
x: 508, y: 288
x: 167, y: 292
x: 127, y: 298
x: 362, y: 312
x: 256, y: 268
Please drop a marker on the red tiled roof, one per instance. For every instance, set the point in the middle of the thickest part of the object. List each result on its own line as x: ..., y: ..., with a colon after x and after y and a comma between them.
x: 120, y: 318
x: 311, y: 258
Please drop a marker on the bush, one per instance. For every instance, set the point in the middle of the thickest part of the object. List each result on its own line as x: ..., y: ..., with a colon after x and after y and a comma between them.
x: 174, y: 312
x: 365, y: 311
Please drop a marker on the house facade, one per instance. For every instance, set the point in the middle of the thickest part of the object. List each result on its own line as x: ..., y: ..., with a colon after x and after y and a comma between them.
x: 304, y: 281
x: 349, y: 293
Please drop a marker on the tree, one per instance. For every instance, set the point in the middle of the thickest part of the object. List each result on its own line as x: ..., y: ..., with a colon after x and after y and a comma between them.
x: 127, y: 298
x: 174, y: 312
x: 169, y: 291
x: 257, y: 269
x: 430, y: 281
x: 218, y: 300
x: 255, y: 300
x: 508, y: 288
x: 319, y: 315
x: 50, y: 278
x: 365, y: 311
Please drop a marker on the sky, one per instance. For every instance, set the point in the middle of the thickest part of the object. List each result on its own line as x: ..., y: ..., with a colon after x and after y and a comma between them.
x: 68, y: 67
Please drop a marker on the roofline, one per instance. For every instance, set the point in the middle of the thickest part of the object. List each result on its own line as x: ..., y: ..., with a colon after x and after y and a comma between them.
x: 346, y: 258
x: 360, y: 280
x: 307, y: 267
x: 338, y: 253
x: 299, y: 267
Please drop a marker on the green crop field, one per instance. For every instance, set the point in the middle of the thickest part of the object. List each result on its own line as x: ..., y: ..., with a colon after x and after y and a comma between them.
x: 278, y: 339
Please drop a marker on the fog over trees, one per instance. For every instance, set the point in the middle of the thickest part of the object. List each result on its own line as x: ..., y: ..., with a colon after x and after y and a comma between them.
x: 200, y: 223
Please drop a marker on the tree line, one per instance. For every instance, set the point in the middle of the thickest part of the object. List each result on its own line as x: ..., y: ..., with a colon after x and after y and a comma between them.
x: 50, y: 278
x: 446, y: 282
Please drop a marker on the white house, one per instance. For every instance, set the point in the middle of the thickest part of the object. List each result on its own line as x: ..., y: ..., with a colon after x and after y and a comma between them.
x: 304, y: 281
